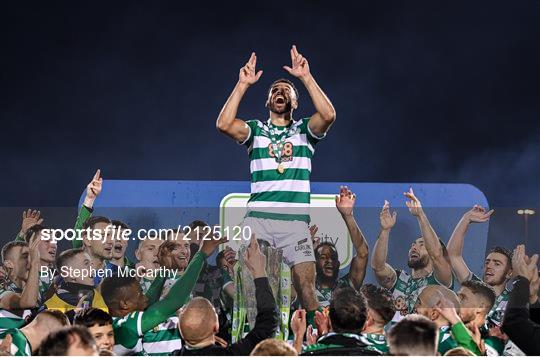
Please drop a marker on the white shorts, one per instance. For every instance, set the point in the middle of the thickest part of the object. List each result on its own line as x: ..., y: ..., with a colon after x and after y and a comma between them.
x: 292, y: 237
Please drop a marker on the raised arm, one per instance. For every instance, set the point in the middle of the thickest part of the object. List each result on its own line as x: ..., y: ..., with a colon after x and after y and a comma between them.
x: 227, y: 122
x: 344, y: 204
x: 441, y: 267
x: 321, y: 121
x: 179, y: 293
x: 29, y: 296
x: 455, y: 245
x: 93, y: 189
x: 29, y: 218
x: 385, y: 274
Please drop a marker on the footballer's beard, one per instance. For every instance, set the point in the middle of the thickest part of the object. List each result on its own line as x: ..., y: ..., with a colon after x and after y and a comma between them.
x: 418, y: 263
x: 323, y: 278
x: 500, y: 281
x: 287, y: 108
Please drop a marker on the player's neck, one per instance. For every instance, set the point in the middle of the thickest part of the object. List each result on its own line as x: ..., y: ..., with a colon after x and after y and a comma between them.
x: 374, y: 329
x: 17, y: 281
x: 97, y: 262
x: 420, y: 273
x: 33, y: 336
x: 119, y: 262
x: 499, y: 288
x: 210, y: 341
x: 280, y: 119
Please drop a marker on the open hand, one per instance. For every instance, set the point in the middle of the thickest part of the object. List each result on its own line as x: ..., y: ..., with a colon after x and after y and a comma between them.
x: 387, y: 220
x: 414, y: 205
x: 345, y: 201
x: 478, y: 214
x: 30, y: 218
x: 523, y: 265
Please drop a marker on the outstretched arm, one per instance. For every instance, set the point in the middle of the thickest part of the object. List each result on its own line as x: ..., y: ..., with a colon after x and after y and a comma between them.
x: 441, y: 267
x: 455, y: 244
x: 29, y: 218
x: 93, y: 189
x: 29, y: 296
x: 345, y: 203
x: 179, y: 293
x: 321, y: 121
x: 227, y: 123
x: 385, y: 274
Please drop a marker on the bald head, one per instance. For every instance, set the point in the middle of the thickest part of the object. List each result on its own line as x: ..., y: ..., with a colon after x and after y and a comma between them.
x: 198, y: 321
x: 433, y: 297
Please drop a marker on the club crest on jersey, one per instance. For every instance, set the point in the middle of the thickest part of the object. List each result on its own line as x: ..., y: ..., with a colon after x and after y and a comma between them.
x: 286, y: 154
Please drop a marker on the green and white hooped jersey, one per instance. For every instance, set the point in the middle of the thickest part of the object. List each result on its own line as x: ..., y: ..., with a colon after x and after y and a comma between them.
x: 406, y: 290
x: 11, y: 319
x: 162, y: 339
x: 275, y: 195
x: 128, y: 334
x: 19, y: 344
x: 377, y: 341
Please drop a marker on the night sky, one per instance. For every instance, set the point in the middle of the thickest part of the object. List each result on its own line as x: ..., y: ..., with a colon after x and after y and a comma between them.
x: 425, y: 91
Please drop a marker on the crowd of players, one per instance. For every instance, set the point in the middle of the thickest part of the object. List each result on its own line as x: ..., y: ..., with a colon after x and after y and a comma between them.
x: 416, y: 312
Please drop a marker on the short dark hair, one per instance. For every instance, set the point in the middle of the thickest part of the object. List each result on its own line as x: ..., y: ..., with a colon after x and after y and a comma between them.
x: 197, y: 223
x: 220, y: 256
x: 118, y: 223
x: 380, y: 300
x: 6, y: 249
x: 347, y: 311
x: 285, y: 80
x: 482, y: 289
x: 92, y: 221
x: 92, y: 316
x: 33, y: 229
x: 502, y: 250
x: 66, y: 256
x: 413, y: 335
x: 335, y: 255
x: 112, y: 285
x: 58, y: 342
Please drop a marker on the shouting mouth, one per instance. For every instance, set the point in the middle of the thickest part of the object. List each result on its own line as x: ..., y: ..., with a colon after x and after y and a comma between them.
x: 118, y: 248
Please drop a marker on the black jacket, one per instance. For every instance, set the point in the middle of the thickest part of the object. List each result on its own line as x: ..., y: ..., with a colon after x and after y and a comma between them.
x: 265, y: 327
x: 341, y: 344
x: 517, y: 322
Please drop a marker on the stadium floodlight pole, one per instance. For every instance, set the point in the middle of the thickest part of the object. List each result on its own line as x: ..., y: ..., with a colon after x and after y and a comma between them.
x: 526, y: 213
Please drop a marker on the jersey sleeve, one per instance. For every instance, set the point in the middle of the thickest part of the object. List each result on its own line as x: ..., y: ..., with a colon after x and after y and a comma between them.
x: 128, y: 331
x: 312, y: 138
x: 84, y: 214
x: 253, y: 126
